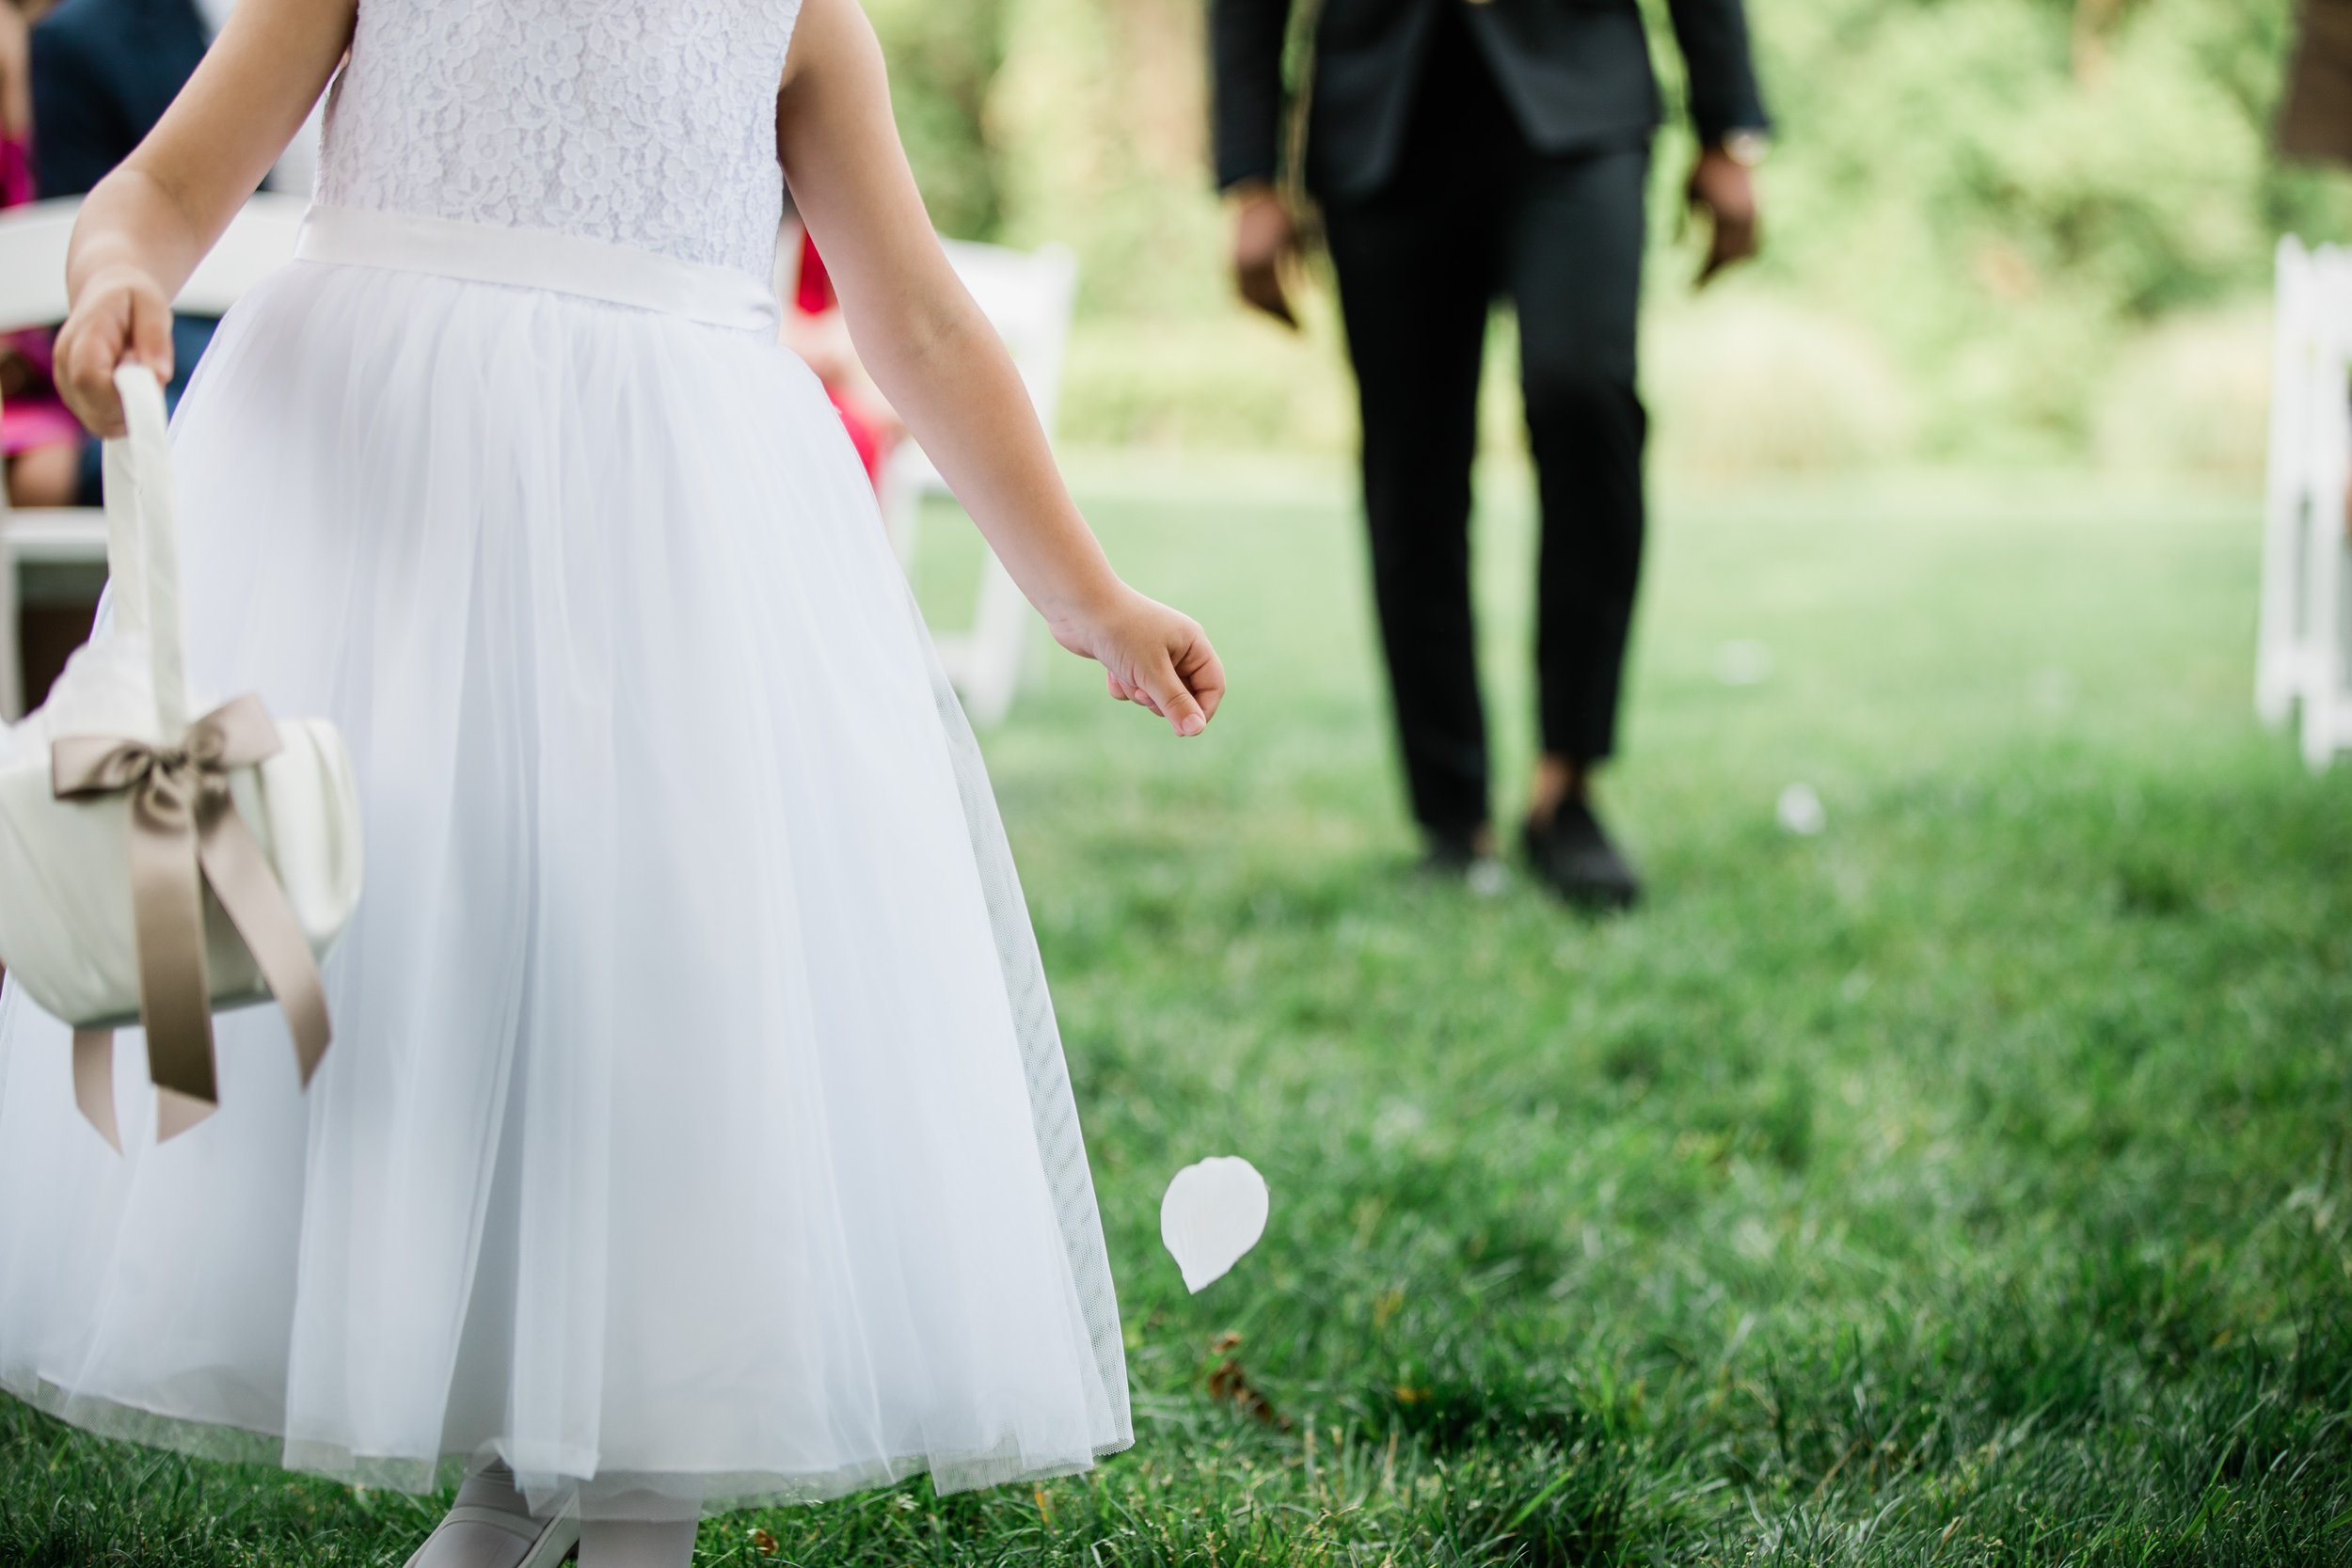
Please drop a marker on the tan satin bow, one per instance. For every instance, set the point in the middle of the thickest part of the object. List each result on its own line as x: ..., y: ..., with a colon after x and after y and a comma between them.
x: 185, y: 833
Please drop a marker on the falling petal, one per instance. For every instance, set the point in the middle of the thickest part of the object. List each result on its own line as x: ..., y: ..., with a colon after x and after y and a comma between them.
x: 1801, y: 811
x: 1213, y: 1212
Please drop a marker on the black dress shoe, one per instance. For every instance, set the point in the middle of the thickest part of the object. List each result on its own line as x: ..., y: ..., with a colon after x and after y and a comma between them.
x: 1576, y: 860
x: 1449, y: 852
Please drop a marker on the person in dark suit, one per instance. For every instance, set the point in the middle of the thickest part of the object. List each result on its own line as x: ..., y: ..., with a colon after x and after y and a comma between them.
x: 1462, y: 151
x: 103, y: 71
x: 2316, y: 111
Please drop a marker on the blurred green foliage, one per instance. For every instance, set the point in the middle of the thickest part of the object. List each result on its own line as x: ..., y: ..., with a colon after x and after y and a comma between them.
x: 1989, y: 224
x: 2007, y: 192
x: 943, y: 59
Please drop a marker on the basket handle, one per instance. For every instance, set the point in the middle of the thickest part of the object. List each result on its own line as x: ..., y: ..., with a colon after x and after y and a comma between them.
x: 143, y: 544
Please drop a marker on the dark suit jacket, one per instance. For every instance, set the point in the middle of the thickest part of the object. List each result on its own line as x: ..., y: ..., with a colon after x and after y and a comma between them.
x: 104, y: 71
x: 1576, y: 74
x: 2315, y: 117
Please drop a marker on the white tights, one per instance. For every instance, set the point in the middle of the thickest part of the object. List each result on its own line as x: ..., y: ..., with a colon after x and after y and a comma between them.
x: 603, y: 1542
x: 627, y: 1543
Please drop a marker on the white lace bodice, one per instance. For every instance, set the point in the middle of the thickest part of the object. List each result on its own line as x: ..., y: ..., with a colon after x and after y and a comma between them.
x: 639, y: 122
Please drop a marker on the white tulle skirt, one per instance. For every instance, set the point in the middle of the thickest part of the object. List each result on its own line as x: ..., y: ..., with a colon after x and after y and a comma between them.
x: 696, y: 1131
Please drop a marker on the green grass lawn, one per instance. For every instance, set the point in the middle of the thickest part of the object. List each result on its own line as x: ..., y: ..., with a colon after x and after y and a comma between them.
x: 1968, y: 1183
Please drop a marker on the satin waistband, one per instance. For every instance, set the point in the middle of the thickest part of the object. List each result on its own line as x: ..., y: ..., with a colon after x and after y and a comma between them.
x: 538, y: 259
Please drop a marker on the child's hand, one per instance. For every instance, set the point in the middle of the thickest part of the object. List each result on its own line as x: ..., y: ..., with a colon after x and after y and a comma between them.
x: 1153, y: 656
x: 122, y: 314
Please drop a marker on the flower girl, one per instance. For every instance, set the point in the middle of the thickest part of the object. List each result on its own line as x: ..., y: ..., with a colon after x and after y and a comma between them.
x: 697, y: 1132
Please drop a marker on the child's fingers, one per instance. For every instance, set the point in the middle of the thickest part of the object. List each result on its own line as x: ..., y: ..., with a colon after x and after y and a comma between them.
x: 86, y: 375
x: 1122, y: 692
x: 1170, y: 700
x: 1203, y: 674
x: 150, y: 334
x: 120, y: 323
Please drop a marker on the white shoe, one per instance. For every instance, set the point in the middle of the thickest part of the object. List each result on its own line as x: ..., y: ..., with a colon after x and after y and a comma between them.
x: 547, y: 1541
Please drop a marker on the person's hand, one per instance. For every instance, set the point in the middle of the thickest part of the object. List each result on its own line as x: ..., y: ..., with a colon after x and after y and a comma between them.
x: 1153, y: 656
x: 1264, y: 239
x: 122, y: 314
x: 1724, y: 189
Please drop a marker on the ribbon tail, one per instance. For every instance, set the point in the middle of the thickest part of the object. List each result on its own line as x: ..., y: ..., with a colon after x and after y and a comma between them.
x: 241, y: 879
x: 167, y: 907
x: 175, y: 1113
x: 94, y: 1082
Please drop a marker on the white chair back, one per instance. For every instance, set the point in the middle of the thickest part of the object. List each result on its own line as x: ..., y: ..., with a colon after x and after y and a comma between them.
x: 32, y: 263
x: 1028, y: 296
x: 33, y: 240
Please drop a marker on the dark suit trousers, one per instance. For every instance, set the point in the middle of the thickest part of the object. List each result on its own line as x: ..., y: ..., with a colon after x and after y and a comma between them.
x: 1471, y: 214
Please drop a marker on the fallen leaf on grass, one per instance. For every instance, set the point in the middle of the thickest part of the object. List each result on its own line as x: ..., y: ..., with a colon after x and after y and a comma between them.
x: 765, y: 1544
x: 1230, y: 1384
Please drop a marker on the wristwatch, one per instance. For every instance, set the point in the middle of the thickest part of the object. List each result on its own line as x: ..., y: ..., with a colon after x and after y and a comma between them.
x: 1744, y: 147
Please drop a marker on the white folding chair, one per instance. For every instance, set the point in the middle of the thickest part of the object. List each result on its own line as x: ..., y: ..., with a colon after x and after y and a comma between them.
x: 1029, y: 297
x: 70, y: 542
x: 2327, y: 597
x: 2303, y: 657
x: 2295, y: 349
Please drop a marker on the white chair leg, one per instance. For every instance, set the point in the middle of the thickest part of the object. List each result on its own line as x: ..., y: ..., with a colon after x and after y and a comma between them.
x: 994, y: 656
x: 2278, y: 664
x: 11, y: 637
x: 900, y: 495
x: 2320, y: 667
x: 2327, y: 693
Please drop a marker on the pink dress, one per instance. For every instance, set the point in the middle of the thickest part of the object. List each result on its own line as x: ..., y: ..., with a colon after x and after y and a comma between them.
x: 33, y: 416
x: 815, y: 297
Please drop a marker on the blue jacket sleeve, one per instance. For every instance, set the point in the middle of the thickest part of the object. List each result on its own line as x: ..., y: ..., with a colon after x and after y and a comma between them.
x: 79, y: 127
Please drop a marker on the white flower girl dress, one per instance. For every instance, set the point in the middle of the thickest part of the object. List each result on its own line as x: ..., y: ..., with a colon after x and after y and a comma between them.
x: 696, y: 1131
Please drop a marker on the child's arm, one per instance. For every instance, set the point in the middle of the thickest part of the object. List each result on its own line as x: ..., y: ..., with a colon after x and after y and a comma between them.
x: 145, y: 226
x: 935, y: 358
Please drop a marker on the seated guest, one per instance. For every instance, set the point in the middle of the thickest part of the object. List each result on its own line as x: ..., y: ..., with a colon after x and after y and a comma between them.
x: 103, y: 73
x: 39, y: 441
x: 815, y: 329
